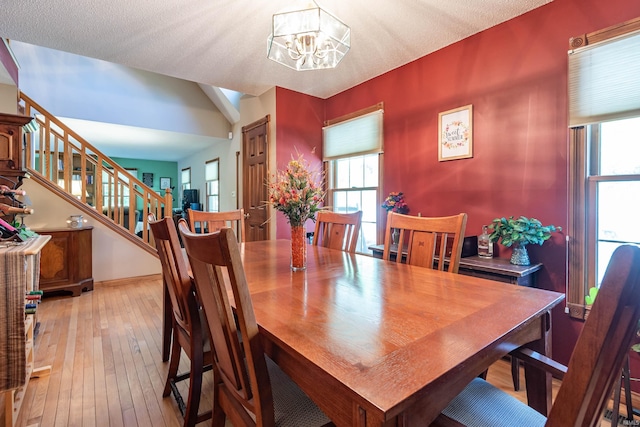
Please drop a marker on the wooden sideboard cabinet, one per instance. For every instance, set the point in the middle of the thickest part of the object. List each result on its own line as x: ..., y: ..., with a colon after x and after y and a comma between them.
x: 66, y: 260
x: 498, y: 269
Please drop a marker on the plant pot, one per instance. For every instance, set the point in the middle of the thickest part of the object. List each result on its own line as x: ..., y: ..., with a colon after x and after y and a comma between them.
x: 520, y: 256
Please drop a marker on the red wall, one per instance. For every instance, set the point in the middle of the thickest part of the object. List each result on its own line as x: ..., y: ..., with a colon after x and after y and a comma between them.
x: 515, y: 75
x: 299, y: 121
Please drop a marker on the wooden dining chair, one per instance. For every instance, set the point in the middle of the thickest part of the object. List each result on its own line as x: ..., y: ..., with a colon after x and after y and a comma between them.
x: 594, y: 366
x: 208, y: 222
x: 428, y: 240
x: 189, y: 327
x: 250, y: 389
x: 337, y: 230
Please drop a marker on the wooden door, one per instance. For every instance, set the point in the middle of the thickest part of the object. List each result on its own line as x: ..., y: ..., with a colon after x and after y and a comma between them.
x: 254, y: 177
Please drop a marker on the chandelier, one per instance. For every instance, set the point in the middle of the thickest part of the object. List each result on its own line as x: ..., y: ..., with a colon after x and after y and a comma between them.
x: 308, y: 38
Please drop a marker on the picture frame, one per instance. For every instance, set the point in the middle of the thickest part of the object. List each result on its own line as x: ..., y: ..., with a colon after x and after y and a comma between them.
x: 147, y: 179
x: 165, y: 183
x: 455, y: 134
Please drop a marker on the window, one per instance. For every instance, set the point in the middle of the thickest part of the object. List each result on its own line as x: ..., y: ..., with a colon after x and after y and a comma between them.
x: 185, y: 180
x: 355, y: 188
x: 604, y: 169
x: 614, y: 178
x: 212, y: 178
x: 352, y: 150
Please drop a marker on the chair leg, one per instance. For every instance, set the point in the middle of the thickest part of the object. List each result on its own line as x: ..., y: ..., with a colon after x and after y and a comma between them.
x: 195, y: 387
x: 616, y: 402
x: 218, y: 416
x: 627, y: 388
x: 173, y: 366
x: 623, y: 381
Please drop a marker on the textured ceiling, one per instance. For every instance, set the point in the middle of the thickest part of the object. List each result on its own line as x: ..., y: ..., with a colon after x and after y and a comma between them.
x: 223, y: 43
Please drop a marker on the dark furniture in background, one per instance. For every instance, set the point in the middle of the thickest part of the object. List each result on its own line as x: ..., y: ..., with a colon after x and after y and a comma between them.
x: 66, y: 260
x: 498, y: 269
x: 12, y: 160
x: 189, y: 197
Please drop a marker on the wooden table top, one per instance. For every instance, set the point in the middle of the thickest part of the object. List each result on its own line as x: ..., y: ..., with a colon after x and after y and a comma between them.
x: 383, y: 336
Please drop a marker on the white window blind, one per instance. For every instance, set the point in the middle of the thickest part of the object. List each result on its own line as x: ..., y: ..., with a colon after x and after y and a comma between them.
x: 604, y: 81
x: 211, y: 170
x: 357, y: 136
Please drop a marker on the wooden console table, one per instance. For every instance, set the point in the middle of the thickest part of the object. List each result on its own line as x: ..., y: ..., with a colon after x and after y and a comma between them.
x: 20, y: 265
x: 67, y: 260
x: 498, y: 269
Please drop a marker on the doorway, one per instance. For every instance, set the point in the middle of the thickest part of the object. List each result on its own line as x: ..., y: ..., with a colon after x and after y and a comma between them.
x: 255, y: 173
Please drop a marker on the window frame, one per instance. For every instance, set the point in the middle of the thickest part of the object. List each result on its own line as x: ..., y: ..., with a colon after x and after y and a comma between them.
x: 581, y: 257
x: 329, y: 166
x: 184, y: 185
x: 331, y: 174
x: 206, y: 184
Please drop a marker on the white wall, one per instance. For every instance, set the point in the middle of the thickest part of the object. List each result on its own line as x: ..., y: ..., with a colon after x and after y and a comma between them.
x: 8, y: 98
x: 227, y: 155
x: 113, y: 256
x: 77, y: 87
x: 252, y: 108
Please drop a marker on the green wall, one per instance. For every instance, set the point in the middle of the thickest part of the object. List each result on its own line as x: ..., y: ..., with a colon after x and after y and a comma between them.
x: 159, y: 169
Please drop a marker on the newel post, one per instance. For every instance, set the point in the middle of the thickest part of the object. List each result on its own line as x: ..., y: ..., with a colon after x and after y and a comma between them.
x: 168, y: 203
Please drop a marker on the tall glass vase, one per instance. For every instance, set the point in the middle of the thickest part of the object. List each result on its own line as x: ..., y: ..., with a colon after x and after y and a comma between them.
x: 298, y: 248
x: 395, y: 236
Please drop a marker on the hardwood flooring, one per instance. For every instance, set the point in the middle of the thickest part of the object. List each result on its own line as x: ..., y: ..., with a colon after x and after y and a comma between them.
x: 104, y: 349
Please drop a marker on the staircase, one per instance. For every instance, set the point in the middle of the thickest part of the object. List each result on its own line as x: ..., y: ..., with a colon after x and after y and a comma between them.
x: 68, y: 165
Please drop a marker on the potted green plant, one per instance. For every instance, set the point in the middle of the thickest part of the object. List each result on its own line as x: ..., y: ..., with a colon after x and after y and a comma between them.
x: 519, y: 232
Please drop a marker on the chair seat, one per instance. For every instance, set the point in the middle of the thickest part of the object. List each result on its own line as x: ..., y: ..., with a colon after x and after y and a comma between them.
x: 481, y: 404
x: 292, y: 407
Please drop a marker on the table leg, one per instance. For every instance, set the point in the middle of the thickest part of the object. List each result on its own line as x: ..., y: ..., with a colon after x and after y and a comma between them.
x: 538, y: 381
x: 515, y: 372
x: 167, y: 326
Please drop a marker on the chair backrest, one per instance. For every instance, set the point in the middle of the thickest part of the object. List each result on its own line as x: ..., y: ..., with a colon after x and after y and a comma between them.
x: 208, y: 222
x: 603, y: 344
x: 175, y: 273
x: 337, y: 230
x: 217, y: 266
x: 427, y: 238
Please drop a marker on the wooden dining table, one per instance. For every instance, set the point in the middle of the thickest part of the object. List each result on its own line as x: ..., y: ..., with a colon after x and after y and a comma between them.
x: 377, y: 343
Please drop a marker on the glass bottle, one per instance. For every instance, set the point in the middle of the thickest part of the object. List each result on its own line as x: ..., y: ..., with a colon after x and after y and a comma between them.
x: 485, y: 246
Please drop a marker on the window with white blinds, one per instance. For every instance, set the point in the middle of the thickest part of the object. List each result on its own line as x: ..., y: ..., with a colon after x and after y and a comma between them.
x: 352, y: 152
x: 604, y: 170
x: 604, y: 80
x: 358, y: 136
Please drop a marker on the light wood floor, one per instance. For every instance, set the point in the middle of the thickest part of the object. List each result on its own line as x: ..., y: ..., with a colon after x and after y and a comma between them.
x: 104, y: 349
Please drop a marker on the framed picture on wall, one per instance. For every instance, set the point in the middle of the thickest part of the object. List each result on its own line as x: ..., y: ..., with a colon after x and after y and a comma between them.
x: 165, y: 183
x: 147, y: 179
x: 455, y: 134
